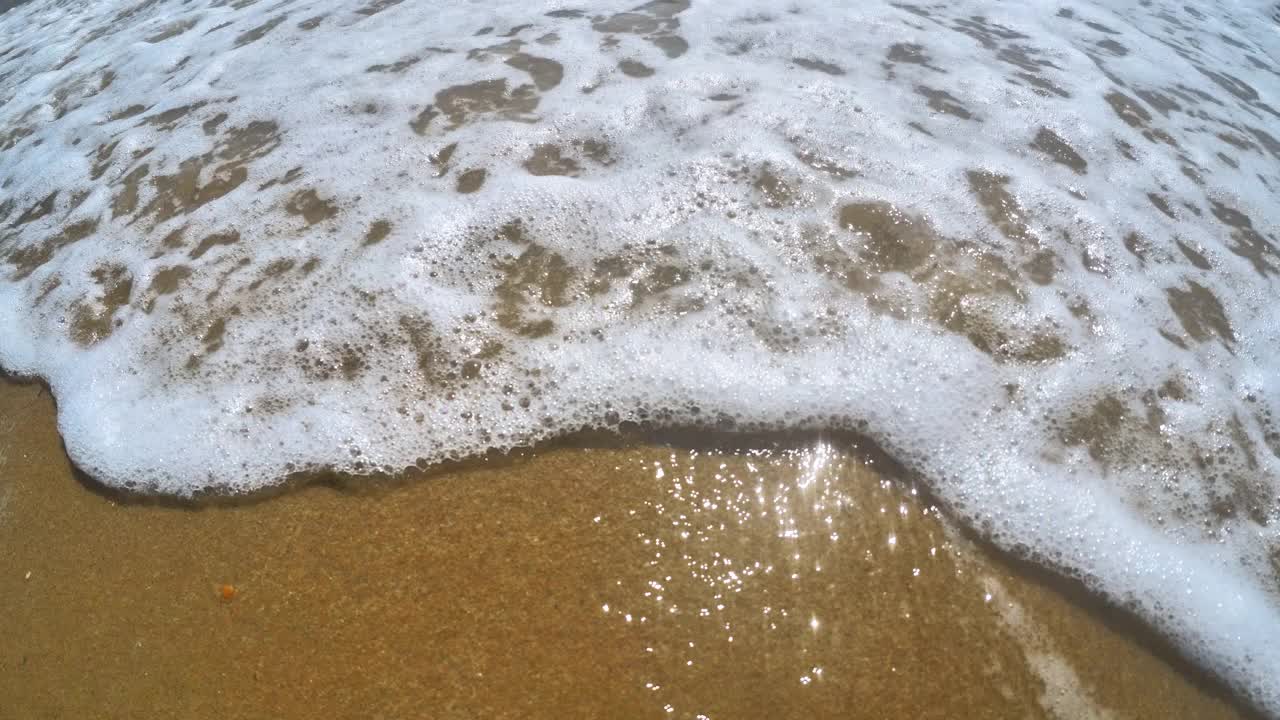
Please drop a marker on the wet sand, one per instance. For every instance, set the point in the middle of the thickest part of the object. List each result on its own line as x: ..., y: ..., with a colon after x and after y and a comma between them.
x: 641, y: 581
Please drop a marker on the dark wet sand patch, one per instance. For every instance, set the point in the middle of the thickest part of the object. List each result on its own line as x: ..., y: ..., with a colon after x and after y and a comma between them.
x: 229, y: 237
x: 378, y: 232
x: 944, y: 102
x: 471, y: 181
x: 819, y: 65
x: 1051, y: 144
x: 311, y: 206
x: 635, y: 69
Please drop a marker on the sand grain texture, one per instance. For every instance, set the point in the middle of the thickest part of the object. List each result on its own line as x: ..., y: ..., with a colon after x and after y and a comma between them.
x: 481, y: 592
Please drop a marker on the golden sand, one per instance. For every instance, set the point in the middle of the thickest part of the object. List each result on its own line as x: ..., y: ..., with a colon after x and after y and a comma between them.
x: 620, y: 582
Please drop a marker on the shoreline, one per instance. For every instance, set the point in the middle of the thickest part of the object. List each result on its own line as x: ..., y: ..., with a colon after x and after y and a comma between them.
x: 535, y: 493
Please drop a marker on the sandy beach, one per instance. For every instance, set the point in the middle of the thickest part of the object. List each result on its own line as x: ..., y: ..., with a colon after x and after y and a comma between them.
x: 564, y: 582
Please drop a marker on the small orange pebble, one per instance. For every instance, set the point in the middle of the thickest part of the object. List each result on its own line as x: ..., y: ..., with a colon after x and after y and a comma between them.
x: 228, y: 592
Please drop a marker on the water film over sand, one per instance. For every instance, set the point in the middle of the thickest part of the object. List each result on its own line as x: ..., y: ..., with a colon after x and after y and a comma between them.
x: 759, y: 579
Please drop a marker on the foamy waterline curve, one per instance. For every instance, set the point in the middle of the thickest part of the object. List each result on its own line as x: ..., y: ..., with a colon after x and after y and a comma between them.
x: 1030, y: 250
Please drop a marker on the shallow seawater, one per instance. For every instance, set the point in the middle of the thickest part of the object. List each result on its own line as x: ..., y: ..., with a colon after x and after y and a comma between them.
x: 732, y: 578
x: 1028, y: 249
